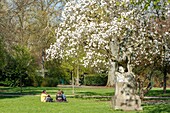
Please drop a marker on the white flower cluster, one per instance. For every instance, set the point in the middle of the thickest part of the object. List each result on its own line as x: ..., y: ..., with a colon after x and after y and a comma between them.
x: 89, y: 25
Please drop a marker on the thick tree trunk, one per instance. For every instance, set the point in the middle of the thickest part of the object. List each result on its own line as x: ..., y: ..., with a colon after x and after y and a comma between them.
x: 114, y: 48
x: 111, y: 74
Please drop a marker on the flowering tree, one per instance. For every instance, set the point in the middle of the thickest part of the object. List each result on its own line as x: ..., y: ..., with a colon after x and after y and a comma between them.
x: 110, y: 31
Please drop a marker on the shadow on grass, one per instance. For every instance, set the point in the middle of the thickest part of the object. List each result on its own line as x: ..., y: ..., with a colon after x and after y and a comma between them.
x: 5, y: 97
x: 158, y: 92
x: 87, y: 93
x: 94, y: 95
x: 163, y: 108
x: 14, y: 92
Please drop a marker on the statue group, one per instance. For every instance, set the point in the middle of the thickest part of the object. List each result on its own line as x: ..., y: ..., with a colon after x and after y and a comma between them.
x: 125, y: 97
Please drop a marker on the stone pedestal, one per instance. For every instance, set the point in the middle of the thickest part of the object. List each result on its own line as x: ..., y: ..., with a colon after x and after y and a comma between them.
x: 125, y: 97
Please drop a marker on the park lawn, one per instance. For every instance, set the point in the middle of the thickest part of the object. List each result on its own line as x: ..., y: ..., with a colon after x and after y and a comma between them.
x: 29, y: 101
x: 32, y: 104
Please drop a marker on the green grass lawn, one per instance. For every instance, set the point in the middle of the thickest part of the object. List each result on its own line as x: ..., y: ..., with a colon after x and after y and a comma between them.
x: 31, y: 103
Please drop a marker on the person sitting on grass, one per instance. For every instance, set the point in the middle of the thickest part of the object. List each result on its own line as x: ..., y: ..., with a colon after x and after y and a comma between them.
x: 60, y: 96
x: 45, y: 97
x: 49, y: 99
x: 63, y: 96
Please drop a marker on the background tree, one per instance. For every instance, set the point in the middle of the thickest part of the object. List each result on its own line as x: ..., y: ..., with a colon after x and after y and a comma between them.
x: 28, y: 24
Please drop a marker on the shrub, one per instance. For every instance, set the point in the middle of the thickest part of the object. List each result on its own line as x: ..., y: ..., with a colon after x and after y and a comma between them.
x: 95, y: 80
x: 49, y: 82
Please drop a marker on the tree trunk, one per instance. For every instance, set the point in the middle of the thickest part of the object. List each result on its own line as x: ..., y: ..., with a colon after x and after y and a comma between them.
x: 165, y: 76
x: 72, y: 82
x: 111, y: 74
x: 114, y: 48
x: 77, y: 76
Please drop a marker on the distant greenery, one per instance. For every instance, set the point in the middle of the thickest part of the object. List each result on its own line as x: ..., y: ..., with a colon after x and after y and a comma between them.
x: 19, y: 67
x: 95, y: 80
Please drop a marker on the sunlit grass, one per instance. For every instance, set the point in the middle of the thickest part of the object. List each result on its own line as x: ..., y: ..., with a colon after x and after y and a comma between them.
x: 31, y: 103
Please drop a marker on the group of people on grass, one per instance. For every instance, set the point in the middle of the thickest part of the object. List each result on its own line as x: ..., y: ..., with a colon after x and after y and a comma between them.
x: 60, y: 97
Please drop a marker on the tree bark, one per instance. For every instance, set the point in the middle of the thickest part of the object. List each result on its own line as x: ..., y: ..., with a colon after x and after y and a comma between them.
x: 165, y: 76
x: 111, y: 74
x: 113, y: 63
x: 77, y: 76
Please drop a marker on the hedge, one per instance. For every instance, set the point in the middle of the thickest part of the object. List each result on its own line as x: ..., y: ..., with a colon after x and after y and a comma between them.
x: 95, y: 80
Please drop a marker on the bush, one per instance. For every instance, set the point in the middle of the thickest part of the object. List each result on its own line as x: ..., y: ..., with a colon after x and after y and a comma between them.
x: 55, y: 70
x: 37, y: 80
x: 49, y: 82
x: 95, y: 80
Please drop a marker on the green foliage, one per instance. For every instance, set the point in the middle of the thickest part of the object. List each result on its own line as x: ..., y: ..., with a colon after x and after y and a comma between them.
x: 19, y: 67
x: 96, y: 80
x: 50, y: 82
x: 2, y: 60
x: 32, y: 27
x: 57, y: 74
x: 37, y: 80
x: 2, y: 54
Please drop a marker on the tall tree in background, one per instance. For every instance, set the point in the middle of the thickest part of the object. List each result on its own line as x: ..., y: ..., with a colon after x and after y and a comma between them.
x: 3, y: 12
x: 44, y: 19
x: 28, y: 24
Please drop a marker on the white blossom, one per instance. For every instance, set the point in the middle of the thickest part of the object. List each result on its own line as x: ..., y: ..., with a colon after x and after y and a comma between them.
x: 93, y: 33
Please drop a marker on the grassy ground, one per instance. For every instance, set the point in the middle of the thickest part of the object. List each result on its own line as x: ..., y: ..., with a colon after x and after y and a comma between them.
x: 32, y: 104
